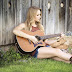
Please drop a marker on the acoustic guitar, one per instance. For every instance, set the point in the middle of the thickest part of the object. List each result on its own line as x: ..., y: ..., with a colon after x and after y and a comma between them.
x: 28, y: 46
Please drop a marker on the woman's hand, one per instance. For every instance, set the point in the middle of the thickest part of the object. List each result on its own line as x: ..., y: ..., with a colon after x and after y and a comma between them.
x: 62, y: 35
x: 33, y: 39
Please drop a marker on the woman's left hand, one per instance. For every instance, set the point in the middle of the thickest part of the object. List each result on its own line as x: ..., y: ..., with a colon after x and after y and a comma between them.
x: 62, y: 35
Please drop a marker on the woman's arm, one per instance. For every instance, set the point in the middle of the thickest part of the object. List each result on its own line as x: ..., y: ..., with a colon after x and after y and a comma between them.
x: 49, y: 42
x: 17, y: 31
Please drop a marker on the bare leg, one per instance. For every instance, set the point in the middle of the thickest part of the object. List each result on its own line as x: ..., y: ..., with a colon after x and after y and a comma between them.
x: 59, y: 59
x: 48, y: 52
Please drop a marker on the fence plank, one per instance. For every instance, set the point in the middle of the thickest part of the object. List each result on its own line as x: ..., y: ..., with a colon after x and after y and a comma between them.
x: 66, y: 14
x: 70, y: 17
x: 43, y: 14
x: 4, y: 21
x: 40, y: 6
x: 40, y: 3
x: 35, y: 3
x: 11, y: 19
x: 19, y: 8
x: 22, y: 7
x: 0, y: 22
x: 62, y: 16
x: 46, y: 17
x: 56, y: 17
x: 25, y: 5
x: 50, y: 20
x: 8, y: 22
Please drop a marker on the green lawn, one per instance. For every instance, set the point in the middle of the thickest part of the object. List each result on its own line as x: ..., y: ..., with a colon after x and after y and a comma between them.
x: 11, y: 61
x: 37, y: 65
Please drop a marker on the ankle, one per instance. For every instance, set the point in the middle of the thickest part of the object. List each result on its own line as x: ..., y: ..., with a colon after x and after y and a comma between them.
x: 70, y: 59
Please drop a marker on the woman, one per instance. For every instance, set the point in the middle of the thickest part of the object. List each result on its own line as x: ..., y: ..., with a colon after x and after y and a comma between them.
x: 32, y: 23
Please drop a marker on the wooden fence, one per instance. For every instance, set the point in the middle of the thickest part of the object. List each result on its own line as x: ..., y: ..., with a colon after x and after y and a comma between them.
x: 56, y: 19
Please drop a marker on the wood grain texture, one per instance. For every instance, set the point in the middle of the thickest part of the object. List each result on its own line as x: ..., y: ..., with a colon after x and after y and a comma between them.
x: 1, y: 21
x: 62, y: 16
x: 35, y: 3
x: 7, y: 22
x: 13, y: 12
x: 69, y: 26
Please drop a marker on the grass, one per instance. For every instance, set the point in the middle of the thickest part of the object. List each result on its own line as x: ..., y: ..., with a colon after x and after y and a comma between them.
x: 36, y: 65
x: 13, y: 62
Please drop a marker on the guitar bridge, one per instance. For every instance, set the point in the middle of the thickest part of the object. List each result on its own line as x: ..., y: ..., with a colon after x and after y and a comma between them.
x: 37, y: 44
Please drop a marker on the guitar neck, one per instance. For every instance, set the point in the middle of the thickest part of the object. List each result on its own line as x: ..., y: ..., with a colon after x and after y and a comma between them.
x: 49, y: 36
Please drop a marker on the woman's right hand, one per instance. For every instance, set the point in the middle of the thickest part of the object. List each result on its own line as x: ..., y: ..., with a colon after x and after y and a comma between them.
x: 33, y: 39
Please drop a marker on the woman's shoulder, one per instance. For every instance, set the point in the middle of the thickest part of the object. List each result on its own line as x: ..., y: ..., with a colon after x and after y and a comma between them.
x: 22, y: 24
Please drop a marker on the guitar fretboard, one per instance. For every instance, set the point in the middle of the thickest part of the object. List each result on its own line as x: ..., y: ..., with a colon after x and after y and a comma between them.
x: 49, y: 36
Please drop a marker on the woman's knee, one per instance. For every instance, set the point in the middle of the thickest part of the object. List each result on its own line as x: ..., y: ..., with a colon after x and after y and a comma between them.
x: 52, y: 51
x: 57, y: 51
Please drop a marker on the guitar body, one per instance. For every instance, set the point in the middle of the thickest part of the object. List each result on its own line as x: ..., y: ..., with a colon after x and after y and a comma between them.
x: 27, y: 46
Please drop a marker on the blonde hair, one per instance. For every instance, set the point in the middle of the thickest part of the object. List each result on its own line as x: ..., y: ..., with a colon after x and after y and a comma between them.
x: 30, y: 18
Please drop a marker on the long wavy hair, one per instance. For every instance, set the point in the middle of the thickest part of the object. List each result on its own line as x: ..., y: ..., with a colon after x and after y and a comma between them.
x: 30, y: 18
